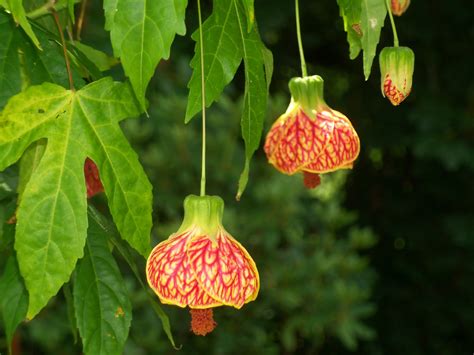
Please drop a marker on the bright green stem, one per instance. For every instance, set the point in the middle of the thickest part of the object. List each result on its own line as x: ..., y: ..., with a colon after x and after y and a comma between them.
x: 304, y: 72
x: 203, y: 104
x: 394, y: 29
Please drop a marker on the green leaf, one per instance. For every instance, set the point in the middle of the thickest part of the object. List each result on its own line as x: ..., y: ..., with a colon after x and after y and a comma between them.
x: 71, y: 314
x: 100, y: 59
x: 103, y: 309
x: 350, y: 11
x: 22, y: 64
x: 110, y: 8
x: 222, y: 56
x: 28, y: 164
x: 255, y: 96
x: 70, y: 7
x: 372, y: 18
x: 249, y: 13
x: 10, y: 77
x: 14, y: 300
x: 18, y: 12
x: 52, y: 219
x: 108, y: 229
x: 142, y: 32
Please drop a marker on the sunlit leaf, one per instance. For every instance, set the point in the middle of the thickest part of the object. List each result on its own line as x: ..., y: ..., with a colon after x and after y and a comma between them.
x: 350, y: 11
x: 372, y: 19
x: 18, y: 12
x: 52, y: 216
x: 222, y: 55
x: 142, y: 32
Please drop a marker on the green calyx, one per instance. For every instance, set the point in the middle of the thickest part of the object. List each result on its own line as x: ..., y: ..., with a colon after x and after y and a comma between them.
x: 204, y: 213
x: 399, y: 64
x: 308, y: 92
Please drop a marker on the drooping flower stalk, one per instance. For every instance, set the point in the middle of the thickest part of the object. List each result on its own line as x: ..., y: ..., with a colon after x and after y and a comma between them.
x: 203, y: 104
x: 304, y: 71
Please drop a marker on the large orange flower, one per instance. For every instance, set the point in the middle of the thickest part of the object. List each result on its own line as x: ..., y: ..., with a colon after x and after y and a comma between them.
x: 310, y: 137
x: 201, y: 265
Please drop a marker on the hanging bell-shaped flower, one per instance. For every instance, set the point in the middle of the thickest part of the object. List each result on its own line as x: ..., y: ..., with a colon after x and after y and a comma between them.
x: 396, y: 68
x: 310, y: 137
x: 202, y: 266
x: 398, y: 7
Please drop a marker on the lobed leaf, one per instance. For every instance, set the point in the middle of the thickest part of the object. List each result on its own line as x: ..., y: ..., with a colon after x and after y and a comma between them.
x: 142, y: 32
x: 256, y: 58
x: 52, y: 215
x: 22, y: 64
x: 222, y: 56
x: 101, y: 302
x: 350, y: 11
x: 372, y: 19
x: 14, y: 300
x: 249, y: 13
x: 18, y: 12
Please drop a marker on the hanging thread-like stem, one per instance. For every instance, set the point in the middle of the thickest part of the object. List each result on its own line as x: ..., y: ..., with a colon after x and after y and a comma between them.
x: 203, y: 104
x: 394, y: 29
x: 304, y: 72
x: 63, y: 42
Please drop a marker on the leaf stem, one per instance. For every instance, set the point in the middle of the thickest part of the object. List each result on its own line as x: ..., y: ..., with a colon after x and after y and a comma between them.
x: 394, y: 29
x: 304, y: 71
x: 66, y: 57
x: 203, y: 104
x: 80, y: 20
x: 43, y: 10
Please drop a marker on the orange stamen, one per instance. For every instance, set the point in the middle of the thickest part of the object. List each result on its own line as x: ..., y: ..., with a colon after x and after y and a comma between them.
x: 311, y: 180
x: 202, y: 321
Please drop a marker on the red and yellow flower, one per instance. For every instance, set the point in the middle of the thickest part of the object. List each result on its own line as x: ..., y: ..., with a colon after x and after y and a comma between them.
x: 202, y: 266
x: 310, y: 137
x: 399, y: 7
x: 396, y: 69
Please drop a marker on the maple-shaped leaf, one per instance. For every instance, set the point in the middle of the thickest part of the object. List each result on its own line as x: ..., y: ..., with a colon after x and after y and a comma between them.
x: 52, y: 215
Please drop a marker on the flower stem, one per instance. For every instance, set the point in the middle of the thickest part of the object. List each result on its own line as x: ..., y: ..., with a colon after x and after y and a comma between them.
x: 203, y: 104
x: 304, y: 72
x: 394, y: 29
x: 63, y: 42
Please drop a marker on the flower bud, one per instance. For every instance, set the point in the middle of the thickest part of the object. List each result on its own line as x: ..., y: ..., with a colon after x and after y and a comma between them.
x: 398, y: 7
x: 396, y: 68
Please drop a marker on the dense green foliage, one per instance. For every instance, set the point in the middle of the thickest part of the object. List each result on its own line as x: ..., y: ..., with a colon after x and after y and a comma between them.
x: 377, y: 260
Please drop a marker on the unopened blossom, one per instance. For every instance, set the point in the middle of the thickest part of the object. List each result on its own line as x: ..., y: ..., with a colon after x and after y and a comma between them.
x: 310, y: 137
x: 396, y: 70
x: 398, y: 7
x: 202, y: 266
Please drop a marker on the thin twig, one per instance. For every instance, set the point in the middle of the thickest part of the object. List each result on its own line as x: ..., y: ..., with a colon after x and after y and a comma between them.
x: 66, y: 57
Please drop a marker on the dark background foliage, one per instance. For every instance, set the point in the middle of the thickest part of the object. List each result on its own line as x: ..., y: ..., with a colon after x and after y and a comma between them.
x: 378, y: 260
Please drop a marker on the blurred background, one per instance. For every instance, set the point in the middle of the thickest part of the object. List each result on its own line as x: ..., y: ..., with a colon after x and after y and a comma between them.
x: 377, y: 260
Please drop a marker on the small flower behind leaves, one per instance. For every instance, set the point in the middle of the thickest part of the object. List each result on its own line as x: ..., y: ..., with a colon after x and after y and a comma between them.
x: 396, y: 68
x: 399, y: 7
x: 93, y: 183
x: 310, y: 137
x: 202, y: 266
